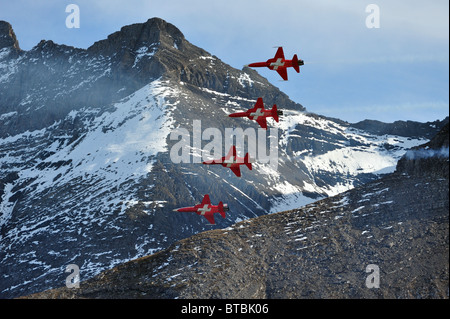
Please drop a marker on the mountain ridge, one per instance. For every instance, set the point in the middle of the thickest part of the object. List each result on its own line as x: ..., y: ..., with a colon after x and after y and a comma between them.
x: 107, y: 64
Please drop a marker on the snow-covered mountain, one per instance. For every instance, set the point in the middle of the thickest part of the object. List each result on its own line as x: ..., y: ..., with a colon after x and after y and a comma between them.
x: 87, y: 176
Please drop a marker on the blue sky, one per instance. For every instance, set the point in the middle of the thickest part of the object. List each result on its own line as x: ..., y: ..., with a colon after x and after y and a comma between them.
x: 399, y: 71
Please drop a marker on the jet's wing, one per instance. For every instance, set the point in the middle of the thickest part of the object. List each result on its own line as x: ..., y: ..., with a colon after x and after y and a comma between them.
x: 206, y: 200
x: 210, y: 218
x: 262, y: 122
x: 259, y: 104
x: 236, y: 170
x: 283, y: 73
x: 279, y: 54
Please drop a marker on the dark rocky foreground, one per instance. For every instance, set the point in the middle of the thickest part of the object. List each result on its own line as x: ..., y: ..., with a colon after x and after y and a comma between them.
x: 399, y: 223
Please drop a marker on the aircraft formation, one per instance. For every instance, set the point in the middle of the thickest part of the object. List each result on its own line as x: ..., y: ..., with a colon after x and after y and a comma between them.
x: 257, y: 113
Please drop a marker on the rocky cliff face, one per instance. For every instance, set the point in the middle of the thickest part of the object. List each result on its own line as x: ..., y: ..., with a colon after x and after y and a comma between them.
x: 86, y: 175
x: 398, y: 225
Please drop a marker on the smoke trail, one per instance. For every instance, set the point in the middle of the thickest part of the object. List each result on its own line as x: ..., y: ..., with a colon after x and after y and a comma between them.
x: 427, y: 153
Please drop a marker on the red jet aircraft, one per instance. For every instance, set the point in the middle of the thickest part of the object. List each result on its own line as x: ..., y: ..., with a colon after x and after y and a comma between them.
x: 259, y: 114
x: 280, y: 64
x: 206, y: 209
x: 232, y: 161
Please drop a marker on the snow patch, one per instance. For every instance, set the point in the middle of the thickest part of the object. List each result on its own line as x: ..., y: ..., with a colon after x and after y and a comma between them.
x: 145, y: 52
x: 6, y: 207
x: 244, y: 80
x: 4, y: 116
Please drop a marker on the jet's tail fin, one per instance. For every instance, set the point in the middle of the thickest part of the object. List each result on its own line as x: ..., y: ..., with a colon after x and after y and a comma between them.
x: 275, y: 113
x: 247, y: 161
x: 295, y: 64
x: 221, y: 208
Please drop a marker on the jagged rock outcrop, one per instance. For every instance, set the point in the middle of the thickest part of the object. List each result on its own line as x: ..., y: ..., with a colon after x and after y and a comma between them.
x: 8, y: 37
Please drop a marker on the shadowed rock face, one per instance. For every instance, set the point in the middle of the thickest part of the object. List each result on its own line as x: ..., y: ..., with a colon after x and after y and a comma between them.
x: 399, y: 223
x: 8, y: 37
x: 429, y: 159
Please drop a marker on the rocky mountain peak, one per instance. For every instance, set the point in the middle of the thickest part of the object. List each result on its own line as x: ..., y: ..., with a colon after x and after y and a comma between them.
x: 110, y: 70
x: 133, y: 37
x: 8, y: 37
